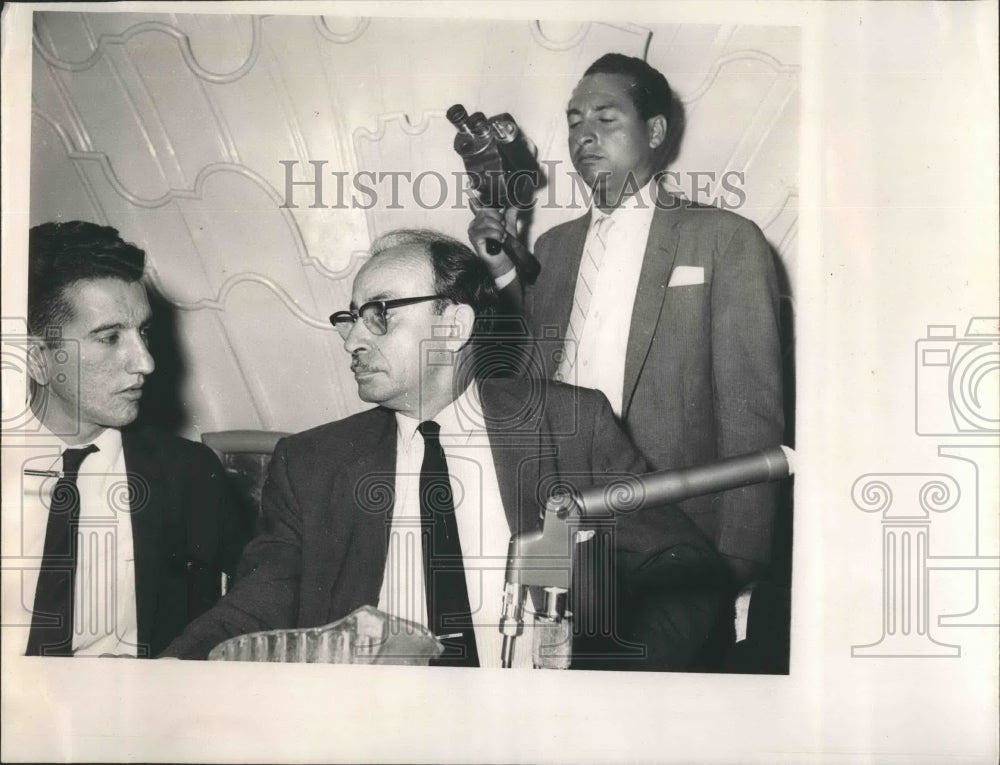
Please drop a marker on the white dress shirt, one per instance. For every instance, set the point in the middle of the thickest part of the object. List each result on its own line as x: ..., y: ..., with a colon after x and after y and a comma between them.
x: 104, y: 607
x: 600, y: 358
x: 479, y: 514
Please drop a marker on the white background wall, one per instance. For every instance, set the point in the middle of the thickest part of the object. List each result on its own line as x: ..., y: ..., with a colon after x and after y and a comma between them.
x: 171, y: 128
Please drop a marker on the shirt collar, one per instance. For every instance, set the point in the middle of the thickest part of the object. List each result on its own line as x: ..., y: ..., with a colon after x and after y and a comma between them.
x: 108, y: 443
x: 636, y: 207
x: 406, y: 426
x: 462, y: 418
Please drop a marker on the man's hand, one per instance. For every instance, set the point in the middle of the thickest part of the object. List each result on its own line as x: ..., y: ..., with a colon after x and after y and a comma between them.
x: 490, y: 223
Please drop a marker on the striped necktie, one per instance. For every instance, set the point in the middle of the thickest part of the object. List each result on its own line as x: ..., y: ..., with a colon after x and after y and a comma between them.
x: 586, y: 283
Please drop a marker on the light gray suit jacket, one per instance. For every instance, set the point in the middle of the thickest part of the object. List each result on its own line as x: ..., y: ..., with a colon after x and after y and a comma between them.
x: 703, y: 373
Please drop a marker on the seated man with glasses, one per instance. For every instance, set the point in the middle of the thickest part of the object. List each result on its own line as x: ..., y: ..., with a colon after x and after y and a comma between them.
x: 361, y: 511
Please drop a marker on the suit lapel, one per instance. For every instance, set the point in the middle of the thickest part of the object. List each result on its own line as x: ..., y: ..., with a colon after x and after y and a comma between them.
x: 558, y: 303
x: 657, y: 263
x: 359, y: 512
x: 523, y: 453
x: 514, y: 429
x: 147, y: 485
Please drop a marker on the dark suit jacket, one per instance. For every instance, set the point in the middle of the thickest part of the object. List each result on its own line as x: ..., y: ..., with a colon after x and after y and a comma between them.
x: 702, y: 362
x: 186, y: 532
x: 329, y: 494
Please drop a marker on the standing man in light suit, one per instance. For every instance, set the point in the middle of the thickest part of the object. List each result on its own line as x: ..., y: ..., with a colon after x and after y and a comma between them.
x: 668, y: 307
x: 123, y: 534
x: 448, y: 467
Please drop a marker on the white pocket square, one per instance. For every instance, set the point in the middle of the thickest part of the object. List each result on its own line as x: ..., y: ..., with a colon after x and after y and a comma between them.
x: 684, y: 276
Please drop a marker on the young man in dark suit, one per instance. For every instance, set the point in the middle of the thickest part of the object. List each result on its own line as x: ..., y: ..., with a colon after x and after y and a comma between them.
x: 667, y: 306
x: 133, y: 529
x: 345, y: 504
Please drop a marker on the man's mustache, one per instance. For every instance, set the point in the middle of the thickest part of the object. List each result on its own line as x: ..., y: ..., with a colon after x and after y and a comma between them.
x: 361, y: 365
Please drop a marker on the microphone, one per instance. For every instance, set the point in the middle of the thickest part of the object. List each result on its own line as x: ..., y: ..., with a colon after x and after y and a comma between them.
x: 544, y: 558
x: 670, y: 486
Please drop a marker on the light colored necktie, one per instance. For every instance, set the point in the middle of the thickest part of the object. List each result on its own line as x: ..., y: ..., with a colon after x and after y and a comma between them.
x: 586, y: 283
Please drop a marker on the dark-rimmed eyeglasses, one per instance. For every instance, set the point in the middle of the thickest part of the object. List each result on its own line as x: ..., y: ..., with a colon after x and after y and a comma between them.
x: 373, y: 314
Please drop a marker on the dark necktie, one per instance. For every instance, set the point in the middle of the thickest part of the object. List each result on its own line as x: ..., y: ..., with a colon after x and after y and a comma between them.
x: 52, y: 619
x: 448, y: 611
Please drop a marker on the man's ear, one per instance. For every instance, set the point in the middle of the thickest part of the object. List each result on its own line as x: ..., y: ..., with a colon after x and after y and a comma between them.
x: 656, y: 127
x: 37, y: 361
x: 463, y: 320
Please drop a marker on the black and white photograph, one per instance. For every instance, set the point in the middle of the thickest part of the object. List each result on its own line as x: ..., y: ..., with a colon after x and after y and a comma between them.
x: 451, y: 382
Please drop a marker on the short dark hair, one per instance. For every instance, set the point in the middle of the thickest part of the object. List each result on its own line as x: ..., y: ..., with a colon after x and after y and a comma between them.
x: 61, y: 254
x: 459, y: 275
x: 650, y: 91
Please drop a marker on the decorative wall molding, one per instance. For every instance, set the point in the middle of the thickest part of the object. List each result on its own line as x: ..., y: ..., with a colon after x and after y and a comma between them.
x: 790, y: 201
x: 218, y: 303
x: 183, y: 44
x: 539, y: 36
x: 341, y: 38
x: 731, y: 58
x: 197, y: 191
x: 85, y: 183
x: 383, y: 121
